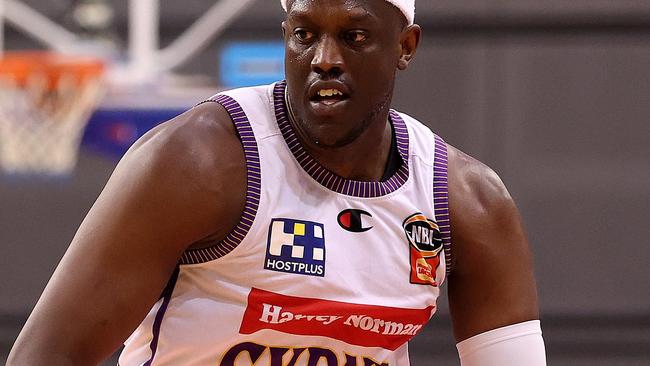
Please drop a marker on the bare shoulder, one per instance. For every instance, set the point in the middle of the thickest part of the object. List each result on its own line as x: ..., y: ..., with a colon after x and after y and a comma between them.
x: 203, y: 141
x: 195, y: 158
x: 478, y: 200
x: 476, y: 186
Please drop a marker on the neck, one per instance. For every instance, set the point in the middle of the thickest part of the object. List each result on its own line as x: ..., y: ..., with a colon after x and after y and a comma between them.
x: 363, y: 159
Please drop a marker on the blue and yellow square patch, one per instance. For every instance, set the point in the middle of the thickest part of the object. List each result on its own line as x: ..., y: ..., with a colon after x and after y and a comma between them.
x: 296, y: 246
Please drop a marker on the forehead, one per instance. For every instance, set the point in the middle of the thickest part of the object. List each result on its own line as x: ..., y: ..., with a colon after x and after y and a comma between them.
x: 350, y: 9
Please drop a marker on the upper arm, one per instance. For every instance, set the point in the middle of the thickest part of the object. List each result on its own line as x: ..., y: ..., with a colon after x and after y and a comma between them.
x: 167, y: 192
x: 492, y: 283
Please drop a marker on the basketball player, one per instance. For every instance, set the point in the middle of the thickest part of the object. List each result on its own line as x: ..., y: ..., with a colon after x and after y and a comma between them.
x: 301, y: 223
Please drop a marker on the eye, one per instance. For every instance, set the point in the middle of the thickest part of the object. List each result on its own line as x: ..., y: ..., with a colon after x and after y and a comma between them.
x: 303, y: 35
x: 356, y: 36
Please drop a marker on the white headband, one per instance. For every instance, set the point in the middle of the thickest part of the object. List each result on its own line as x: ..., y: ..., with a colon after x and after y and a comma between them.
x: 406, y: 6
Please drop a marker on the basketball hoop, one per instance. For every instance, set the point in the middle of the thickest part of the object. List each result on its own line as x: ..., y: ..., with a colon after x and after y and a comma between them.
x: 46, y: 100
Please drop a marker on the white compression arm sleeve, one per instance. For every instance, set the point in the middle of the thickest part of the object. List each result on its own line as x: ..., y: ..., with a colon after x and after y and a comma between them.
x: 514, y: 345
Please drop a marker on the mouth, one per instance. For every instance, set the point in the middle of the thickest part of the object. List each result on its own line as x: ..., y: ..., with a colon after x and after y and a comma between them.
x: 328, y: 98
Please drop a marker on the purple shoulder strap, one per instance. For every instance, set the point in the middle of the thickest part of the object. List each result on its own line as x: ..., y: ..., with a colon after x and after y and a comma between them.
x: 441, y: 197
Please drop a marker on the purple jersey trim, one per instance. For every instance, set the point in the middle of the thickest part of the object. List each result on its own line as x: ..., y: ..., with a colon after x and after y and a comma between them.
x: 329, y: 179
x: 441, y: 197
x: 157, y: 323
x: 253, y: 191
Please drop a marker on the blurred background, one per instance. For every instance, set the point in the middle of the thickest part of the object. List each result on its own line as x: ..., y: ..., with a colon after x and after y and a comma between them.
x: 553, y: 94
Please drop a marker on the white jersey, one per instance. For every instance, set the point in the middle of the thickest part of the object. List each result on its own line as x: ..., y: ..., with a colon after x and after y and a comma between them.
x: 320, y: 270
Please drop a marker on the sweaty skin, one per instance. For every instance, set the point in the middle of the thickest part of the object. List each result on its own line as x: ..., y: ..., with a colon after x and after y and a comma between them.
x: 184, y: 183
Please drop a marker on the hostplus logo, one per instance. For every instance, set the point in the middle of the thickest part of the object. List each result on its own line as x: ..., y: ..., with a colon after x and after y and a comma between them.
x: 296, y: 246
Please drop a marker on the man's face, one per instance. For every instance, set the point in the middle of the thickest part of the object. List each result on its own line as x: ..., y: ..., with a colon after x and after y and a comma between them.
x: 341, y: 60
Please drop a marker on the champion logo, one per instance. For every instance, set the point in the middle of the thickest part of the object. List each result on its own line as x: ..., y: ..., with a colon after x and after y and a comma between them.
x: 352, y: 220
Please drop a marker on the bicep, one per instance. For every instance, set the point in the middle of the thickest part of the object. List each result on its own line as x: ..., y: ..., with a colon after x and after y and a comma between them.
x: 117, y: 264
x: 492, y: 284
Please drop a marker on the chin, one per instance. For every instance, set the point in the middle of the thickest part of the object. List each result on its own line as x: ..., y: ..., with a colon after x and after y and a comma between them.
x: 332, y: 137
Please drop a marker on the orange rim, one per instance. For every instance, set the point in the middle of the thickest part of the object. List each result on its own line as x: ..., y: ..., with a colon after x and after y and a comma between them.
x: 21, y: 65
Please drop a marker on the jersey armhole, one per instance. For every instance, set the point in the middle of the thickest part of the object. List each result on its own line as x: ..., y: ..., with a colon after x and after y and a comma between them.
x: 441, y: 198
x: 253, y: 187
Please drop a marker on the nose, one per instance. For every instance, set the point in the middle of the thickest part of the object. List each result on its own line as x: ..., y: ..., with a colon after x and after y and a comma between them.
x: 328, y: 59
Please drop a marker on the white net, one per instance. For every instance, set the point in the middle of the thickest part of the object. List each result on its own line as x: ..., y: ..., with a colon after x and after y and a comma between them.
x: 42, y: 122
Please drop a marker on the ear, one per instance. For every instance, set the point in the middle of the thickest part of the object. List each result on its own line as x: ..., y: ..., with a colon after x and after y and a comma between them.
x: 409, y: 41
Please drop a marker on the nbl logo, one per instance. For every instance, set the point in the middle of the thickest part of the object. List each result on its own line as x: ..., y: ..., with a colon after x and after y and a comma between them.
x: 425, y: 244
x: 296, y: 246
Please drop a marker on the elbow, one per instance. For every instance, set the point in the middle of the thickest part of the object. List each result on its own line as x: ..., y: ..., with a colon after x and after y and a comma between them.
x: 26, y: 355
